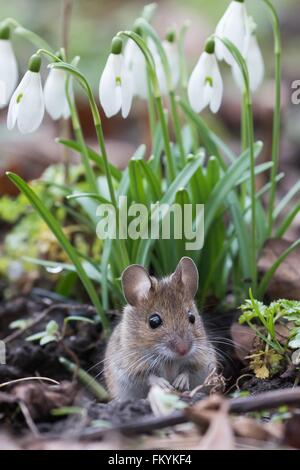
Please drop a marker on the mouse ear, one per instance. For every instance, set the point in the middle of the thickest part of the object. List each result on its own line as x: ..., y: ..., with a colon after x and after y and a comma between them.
x: 187, y: 274
x: 136, y: 283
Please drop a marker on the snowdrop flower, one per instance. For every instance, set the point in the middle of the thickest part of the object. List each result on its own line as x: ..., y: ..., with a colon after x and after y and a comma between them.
x: 2, y: 94
x: 116, y: 88
x: 233, y: 26
x: 8, y: 67
x: 205, y: 86
x: 254, y: 60
x: 171, y: 50
x: 56, y: 102
x: 136, y: 63
x: 26, y: 107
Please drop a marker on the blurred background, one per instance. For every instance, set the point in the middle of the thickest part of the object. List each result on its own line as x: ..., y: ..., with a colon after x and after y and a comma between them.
x: 93, y: 24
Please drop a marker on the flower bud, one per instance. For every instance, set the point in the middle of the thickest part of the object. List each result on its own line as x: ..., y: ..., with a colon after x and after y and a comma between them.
x: 171, y: 36
x: 34, y: 64
x: 210, y: 46
x: 116, y: 46
x: 4, y: 32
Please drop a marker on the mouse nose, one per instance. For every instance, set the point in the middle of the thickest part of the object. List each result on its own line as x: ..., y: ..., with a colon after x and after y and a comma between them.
x: 180, y: 346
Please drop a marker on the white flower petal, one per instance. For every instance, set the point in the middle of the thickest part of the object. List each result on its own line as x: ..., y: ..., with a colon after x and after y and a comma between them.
x: 196, y: 85
x: 109, y: 93
x: 135, y: 62
x: 171, y: 50
x: 14, y: 104
x: 158, y: 67
x: 55, y: 95
x: 217, y: 91
x: 8, y: 69
x: 31, y: 107
x: 255, y: 64
x: 206, y: 85
x: 127, y: 93
x: 220, y: 33
x: 233, y: 26
x: 2, y: 93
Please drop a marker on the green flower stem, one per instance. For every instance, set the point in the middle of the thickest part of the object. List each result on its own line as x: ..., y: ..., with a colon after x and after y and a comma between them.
x: 184, y: 79
x: 166, y: 138
x: 244, y: 141
x: 177, y: 128
x: 91, y: 179
x: 182, y: 61
x: 149, y: 31
x: 249, y: 112
x: 30, y: 36
x: 96, y: 119
x: 157, y: 95
x: 101, y: 142
x: 277, y: 111
x: 250, y: 133
x: 151, y: 110
x: 90, y: 175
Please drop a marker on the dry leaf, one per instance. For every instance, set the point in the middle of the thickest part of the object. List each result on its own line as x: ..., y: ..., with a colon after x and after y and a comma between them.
x: 286, y: 280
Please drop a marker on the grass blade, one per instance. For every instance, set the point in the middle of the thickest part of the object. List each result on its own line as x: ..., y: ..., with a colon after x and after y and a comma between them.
x: 63, y: 241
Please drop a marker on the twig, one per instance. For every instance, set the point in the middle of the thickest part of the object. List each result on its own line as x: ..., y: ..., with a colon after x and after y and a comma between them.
x: 267, y: 400
x: 26, y: 379
x: 29, y: 421
x: 42, y: 315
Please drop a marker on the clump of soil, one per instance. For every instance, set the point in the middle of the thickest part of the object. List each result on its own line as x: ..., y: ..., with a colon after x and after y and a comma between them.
x: 61, y: 406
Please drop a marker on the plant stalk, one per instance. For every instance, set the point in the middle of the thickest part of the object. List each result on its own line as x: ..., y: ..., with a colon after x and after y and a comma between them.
x: 277, y: 111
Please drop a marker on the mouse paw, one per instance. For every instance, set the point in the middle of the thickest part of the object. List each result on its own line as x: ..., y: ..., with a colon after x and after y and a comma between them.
x: 161, y: 382
x: 182, y: 382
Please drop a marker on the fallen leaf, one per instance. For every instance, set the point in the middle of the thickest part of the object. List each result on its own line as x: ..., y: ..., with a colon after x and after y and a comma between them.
x: 40, y: 398
x: 211, y: 415
x: 286, y: 280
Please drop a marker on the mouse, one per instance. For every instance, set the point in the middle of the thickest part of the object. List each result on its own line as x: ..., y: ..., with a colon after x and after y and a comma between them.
x: 161, y: 338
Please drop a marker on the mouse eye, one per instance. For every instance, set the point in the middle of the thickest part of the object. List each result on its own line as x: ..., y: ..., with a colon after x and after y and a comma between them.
x: 155, y: 321
x: 192, y: 318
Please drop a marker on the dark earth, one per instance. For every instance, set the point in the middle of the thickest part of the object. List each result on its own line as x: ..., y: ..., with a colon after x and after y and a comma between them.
x: 83, y: 344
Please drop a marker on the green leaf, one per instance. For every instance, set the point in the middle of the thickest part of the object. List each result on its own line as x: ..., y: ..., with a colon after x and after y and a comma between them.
x: 98, y: 198
x: 242, y: 233
x: 226, y: 184
x: 52, y: 327
x: 36, y: 336
x: 295, y: 342
x: 32, y: 37
x: 206, y: 134
x: 48, y: 339
x: 287, y: 221
x: 287, y: 198
x: 90, y: 269
x: 63, y: 241
x: 94, y: 156
x: 181, y: 181
x: 94, y: 386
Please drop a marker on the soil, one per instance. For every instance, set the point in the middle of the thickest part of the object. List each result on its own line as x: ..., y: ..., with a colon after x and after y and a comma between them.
x: 84, y: 344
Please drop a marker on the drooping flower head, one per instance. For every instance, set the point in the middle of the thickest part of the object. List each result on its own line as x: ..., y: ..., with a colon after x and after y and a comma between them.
x: 135, y: 62
x: 8, y: 67
x: 116, y: 88
x: 26, y: 107
x: 254, y: 61
x: 171, y: 50
x: 205, y: 87
x: 234, y: 26
x: 56, y: 102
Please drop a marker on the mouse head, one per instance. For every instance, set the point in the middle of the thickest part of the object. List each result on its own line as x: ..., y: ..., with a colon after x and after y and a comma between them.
x: 161, y: 315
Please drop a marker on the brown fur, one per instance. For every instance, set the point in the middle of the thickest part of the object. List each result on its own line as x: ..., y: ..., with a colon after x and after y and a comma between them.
x: 126, y: 372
